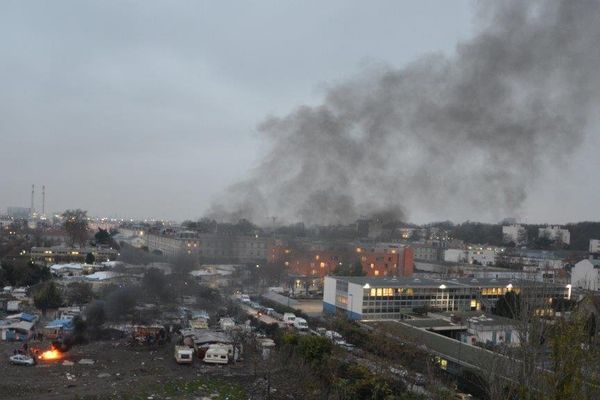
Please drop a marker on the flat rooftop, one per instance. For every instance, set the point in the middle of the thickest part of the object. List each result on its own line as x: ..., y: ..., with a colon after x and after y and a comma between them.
x: 400, y: 282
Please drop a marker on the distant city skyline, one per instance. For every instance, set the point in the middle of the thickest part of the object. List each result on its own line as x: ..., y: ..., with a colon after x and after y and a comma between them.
x: 151, y: 110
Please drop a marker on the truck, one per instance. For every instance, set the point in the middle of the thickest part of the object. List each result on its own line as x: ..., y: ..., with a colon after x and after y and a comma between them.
x: 184, y: 355
x: 289, y: 318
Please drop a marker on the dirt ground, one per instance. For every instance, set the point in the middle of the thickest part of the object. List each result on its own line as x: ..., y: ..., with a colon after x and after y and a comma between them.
x: 120, y: 371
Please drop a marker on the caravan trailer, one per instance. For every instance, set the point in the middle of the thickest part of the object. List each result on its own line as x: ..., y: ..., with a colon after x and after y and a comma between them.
x: 216, y: 355
x: 184, y: 355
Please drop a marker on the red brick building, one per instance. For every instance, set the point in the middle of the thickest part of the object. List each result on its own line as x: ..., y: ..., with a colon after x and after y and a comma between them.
x: 319, y: 262
x: 307, y: 262
x: 387, y: 261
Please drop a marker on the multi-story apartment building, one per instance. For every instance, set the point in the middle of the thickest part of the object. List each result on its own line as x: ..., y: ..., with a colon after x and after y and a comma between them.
x: 514, y: 233
x: 387, y: 260
x: 594, y: 246
x: 427, y: 252
x: 555, y: 233
x: 210, y: 246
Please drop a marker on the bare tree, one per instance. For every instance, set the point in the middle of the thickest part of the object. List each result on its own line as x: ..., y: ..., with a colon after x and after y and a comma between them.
x: 76, y: 226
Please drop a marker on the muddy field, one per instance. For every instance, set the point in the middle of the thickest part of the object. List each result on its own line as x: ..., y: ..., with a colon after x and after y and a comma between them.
x: 121, y: 371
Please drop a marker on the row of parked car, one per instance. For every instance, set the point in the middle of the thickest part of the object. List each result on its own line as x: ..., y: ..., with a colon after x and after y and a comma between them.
x: 300, y: 324
x: 289, y: 319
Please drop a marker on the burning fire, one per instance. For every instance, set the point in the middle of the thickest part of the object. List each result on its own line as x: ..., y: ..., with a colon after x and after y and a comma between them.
x: 51, y: 354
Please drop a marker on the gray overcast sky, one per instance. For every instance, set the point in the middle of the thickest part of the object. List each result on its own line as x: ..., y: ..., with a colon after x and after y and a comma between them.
x: 149, y: 109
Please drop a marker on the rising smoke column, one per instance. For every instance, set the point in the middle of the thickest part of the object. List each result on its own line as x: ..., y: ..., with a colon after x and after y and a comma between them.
x: 470, y: 131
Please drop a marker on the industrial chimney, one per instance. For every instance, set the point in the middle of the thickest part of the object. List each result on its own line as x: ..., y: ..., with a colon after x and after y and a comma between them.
x: 32, y: 210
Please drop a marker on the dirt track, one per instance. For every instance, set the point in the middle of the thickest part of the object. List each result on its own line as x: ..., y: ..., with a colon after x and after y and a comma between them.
x: 134, y: 372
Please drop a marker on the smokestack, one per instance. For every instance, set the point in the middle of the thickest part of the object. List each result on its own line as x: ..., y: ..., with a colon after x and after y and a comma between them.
x: 43, y: 199
x: 31, y: 209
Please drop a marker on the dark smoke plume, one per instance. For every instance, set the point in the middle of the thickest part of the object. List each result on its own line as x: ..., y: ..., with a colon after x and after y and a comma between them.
x: 470, y: 131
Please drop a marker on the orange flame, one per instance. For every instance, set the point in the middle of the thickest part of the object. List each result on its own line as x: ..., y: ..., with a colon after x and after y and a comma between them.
x: 51, y: 354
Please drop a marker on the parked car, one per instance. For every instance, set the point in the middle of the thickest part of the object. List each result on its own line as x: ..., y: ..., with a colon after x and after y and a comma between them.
x: 333, y: 335
x: 244, y: 298
x: 400, y: 371
x: 420, y: 379
x: 21, y: 359
x: 462, y: 396
x: 300, y: 324
x: 348, y: 346
x: 289, y: 318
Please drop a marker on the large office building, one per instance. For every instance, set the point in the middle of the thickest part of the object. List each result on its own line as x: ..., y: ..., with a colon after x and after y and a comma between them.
x: 370, y: 298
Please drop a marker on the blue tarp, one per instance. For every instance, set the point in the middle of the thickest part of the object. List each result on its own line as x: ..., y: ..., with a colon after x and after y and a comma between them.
x: 60, y: 323
x: 27, y: 317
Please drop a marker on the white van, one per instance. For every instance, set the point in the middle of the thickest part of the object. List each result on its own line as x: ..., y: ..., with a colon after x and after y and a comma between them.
x: 184, y: 355
x: 289, y: 318
x: 300, y: 324
x: 216, y: 355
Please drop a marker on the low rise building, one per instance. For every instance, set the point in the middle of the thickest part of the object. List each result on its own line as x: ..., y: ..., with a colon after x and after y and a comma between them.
x: 61, y: 254
x: 490, y: 330
x: 367, y: 298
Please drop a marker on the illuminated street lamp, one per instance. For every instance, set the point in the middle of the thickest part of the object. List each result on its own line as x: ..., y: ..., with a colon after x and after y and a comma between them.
x: 442, y: 287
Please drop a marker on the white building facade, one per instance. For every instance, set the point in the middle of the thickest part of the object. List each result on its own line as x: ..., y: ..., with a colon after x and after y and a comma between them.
x: 585, y: 275
x: 555, y: 233
x: 514, y: 233
x: 595, y: 246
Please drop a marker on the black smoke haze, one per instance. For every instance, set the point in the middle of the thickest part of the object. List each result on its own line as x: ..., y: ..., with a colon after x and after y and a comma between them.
x: 472, y: 130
